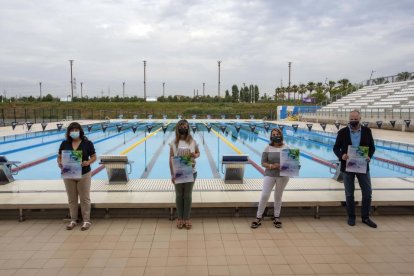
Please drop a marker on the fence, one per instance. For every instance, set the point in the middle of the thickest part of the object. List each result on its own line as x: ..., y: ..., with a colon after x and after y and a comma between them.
x: 23, y: 115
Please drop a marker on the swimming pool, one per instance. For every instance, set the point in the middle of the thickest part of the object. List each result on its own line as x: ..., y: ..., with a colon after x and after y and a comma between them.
x: 149, y: 149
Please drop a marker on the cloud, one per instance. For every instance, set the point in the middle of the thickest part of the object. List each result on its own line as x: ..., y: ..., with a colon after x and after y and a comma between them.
x: 183, y: 40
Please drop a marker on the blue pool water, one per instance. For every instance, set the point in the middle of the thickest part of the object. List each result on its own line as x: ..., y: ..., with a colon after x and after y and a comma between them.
x: 151, y: 156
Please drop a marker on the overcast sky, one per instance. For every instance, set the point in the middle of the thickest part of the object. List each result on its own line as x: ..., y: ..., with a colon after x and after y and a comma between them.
x: 183, y: 40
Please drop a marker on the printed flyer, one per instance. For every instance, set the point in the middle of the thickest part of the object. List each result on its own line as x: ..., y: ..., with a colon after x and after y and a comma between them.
x: 289, y: 162
x: 72, y: 164
x: 357, y: 159
x: 183, y: 166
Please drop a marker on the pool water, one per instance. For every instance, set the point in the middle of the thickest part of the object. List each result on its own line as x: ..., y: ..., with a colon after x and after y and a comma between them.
x: 150, y: 150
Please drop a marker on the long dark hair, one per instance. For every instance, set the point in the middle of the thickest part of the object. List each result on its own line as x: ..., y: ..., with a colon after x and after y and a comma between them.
x: 188, y: 139
x: 275, y: 130
x: 72, y: 126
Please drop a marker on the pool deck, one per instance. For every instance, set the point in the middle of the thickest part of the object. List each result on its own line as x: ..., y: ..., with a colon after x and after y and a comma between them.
x: 208, y: 193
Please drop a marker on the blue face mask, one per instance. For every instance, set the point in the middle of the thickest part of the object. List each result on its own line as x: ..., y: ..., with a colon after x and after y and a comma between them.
x: 74, y: 134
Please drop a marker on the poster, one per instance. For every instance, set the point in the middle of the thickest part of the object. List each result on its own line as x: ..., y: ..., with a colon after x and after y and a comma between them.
x: 183, y: 166
x: 357, y: 159
x: 289, y: 162
x: 183, y: 169
x: 72, y: 164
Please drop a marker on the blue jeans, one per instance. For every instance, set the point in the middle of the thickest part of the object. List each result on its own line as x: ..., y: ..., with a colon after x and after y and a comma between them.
x: 183, y: 198
x: 365, y: 184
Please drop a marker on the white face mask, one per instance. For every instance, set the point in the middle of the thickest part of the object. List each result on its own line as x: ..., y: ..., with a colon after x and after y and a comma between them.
x: 74, y: 134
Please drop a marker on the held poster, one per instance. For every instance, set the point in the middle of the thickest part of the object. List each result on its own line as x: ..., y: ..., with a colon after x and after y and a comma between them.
x: 72, y: 164
x: 357, y: 159
x: 289, y: 162
x: 183, y: 169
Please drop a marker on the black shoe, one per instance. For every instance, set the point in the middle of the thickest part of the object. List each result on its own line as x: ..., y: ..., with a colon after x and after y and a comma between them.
x: 369, y: 222
x: 351, y: 221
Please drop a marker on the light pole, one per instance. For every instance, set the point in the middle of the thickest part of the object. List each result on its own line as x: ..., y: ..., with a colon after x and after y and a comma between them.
x: 370, y: 77
x: 145, y: 80
x: 71, y: 76
x: 163, y: 90
x: 81, y: 90
x: 290, y: 66
x: 204, y: 85
x: 219, y: 62
x: 123, y: 90
x: 40, y: 87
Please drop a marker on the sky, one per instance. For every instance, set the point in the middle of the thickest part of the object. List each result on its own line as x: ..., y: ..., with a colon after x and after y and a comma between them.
x: 183, y: 40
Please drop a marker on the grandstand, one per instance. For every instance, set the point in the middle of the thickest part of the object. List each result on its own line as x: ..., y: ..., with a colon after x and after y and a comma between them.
x: 391, y: 101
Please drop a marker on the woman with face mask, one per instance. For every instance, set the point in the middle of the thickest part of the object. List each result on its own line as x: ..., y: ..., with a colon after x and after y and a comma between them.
x: 271, y: 162
x: 183, y: 143
x: 76, y: 140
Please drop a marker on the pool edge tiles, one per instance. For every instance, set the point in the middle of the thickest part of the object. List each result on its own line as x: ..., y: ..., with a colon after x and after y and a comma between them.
x: 202, y: 185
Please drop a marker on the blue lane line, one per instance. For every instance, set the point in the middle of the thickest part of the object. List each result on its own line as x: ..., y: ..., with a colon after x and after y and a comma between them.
x: 51, y: 142
x: 334, y: 138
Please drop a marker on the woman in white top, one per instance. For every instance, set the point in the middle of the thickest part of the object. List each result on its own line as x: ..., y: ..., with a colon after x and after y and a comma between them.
x: 271, y: 162
x: 183, y: 142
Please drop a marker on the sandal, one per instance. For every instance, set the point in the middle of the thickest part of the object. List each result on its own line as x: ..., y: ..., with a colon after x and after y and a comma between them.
x: 85, y: 226
x: 188, y: 225
x: 256, y: 223
x: 180, y: 224
x: 277, y: 223
x: 71, y: 225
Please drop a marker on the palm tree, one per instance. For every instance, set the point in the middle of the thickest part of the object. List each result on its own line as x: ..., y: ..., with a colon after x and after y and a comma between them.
x: 380, y: 80
x: 310, y: 86
x: 302, y: 90
x: 282, y: 91
x: 295, y: 89
x: 403, y: 76
x: 344, y: 83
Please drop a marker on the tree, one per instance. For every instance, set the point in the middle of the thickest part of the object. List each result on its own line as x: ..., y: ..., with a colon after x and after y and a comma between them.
x: 302, y: 90
x: 227, y: 97
x: 295, y: 90
x: 48, y: 98
x: 235, y: 93
x: 379, y: 80
x: 310, y: 86
x: 403, y: 76
x: 256, y: 93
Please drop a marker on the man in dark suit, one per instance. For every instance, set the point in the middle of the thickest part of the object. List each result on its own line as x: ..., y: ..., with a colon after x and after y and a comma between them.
x: 356, y: 135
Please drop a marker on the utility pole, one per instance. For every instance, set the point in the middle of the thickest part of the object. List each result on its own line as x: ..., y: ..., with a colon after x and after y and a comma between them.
x: 145, y: 80
x: 81, y: 90
x: 123, y: 90
x: 204, y: 85
x: 290, y: 66
x: 370, y: 77
x: 163, y: 90
x: 40, y: 87
x: 219, y: 62
x: 71, y: 76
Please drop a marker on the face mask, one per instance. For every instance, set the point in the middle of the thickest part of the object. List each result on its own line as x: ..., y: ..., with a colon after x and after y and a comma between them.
x: 276, y: 139
x: 183, y: 131
x: 74, y: 134
x: 354, y: 123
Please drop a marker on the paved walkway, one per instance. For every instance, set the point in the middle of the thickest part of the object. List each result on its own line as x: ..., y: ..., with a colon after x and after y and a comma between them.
x: 215, y: 246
